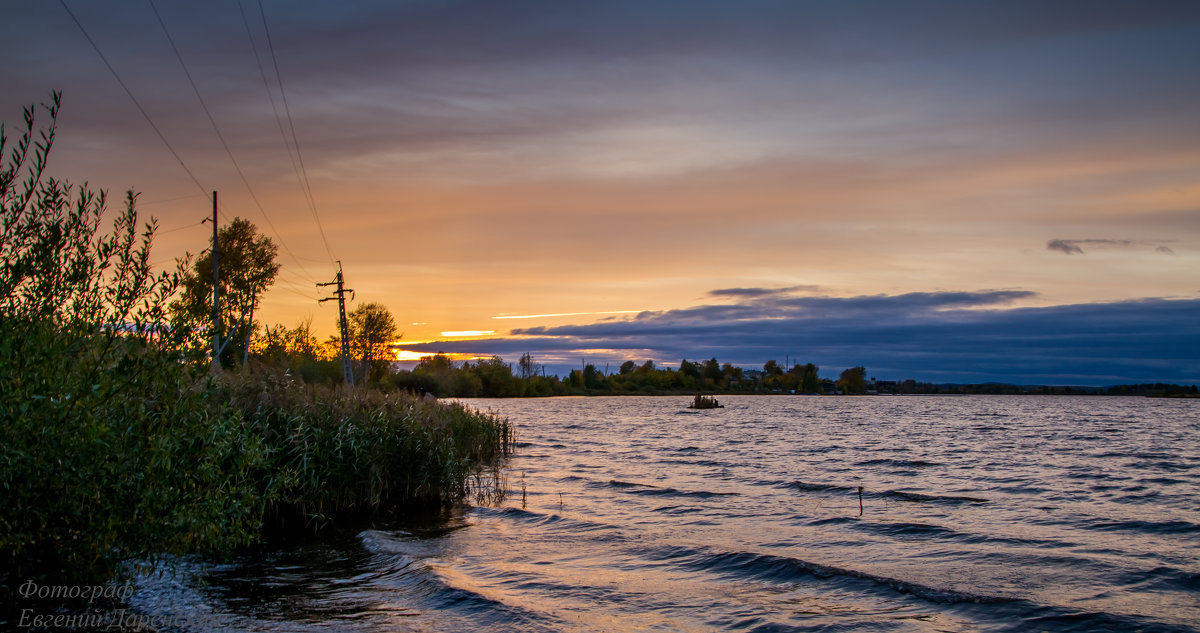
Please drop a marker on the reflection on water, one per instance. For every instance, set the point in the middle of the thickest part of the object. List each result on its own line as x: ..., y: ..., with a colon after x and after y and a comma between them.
x: 629, y: 514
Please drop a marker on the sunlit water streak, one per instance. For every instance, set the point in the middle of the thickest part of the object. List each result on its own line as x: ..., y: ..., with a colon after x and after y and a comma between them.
x: 629, y: 514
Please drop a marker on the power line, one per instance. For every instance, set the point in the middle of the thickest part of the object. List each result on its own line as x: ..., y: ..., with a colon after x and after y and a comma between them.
x: 291, y: 124
x: 307, y: 295
x: 296, y: 279
x: 133, y: 98
x: 186, y: 226
x: 262, y: 72
x: 162, y: 137
x: 142, y: 203
x: 221, y: 137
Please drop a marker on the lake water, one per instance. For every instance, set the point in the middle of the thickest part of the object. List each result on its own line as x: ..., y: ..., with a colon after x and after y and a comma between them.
x: 636, y: 514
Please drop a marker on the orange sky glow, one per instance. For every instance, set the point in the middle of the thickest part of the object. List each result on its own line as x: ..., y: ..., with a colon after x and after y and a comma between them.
x: 613, y: 163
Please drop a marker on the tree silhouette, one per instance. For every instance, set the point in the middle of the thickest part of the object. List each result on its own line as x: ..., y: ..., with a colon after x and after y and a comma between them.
x: 247, y: 267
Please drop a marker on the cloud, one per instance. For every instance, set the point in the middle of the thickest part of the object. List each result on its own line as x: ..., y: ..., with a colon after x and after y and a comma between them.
x: 761, y: 292
x: 1067, y: 246
x: 1075, y: 247
x: 936, y: 336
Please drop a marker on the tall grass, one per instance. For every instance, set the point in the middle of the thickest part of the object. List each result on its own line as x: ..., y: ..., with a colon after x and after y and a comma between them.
x: 335, y: 451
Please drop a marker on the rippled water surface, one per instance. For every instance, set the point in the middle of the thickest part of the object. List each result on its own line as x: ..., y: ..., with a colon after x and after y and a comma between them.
x: 633, y: 514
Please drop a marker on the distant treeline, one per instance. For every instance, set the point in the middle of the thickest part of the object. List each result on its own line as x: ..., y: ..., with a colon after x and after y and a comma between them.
x: 441, y: 376
x: 298, y: 351
x: 493, y: 377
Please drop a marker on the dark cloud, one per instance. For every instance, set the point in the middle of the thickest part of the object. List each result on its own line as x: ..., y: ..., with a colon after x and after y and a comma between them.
x: 761, y: 292
x: 415, y: 77
x: 1075, y: 247
x: 946, y: 336
x: 1066, y: 246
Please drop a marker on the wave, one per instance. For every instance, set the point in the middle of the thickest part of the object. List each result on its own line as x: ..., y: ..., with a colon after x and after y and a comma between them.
x: 904, y: 495
x: 774, y: 568
x: 541, y: 519
x: 407, y: 568
x: 1067, y: 621
x: 901, y: 495
x: 1006, y: 613
x: 832, y: 521
x: 1177, y: 526
x: 922, y: 530
x: 649, y: 490
x: 805, y: 486
x: 1164, y: 579
x: 899, y: 463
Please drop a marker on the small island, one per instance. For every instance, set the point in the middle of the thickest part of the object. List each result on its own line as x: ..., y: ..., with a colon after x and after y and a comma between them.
x: 705, y: 402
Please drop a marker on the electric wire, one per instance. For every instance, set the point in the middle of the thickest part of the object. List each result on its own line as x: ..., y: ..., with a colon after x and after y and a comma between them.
x: 204, y: 191
x: 136, y: 103
x: 221, y: 137
x: 142, y: 203
x: 307, y: 295
x: 295, y: 139
x: 186, y: 226
x: 262, y: 72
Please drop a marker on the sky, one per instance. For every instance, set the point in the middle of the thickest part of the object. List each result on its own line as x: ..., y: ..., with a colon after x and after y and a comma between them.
x: 956, y: 191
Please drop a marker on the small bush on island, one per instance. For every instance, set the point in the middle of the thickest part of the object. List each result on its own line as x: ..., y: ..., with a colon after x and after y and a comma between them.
x: 705, y: 402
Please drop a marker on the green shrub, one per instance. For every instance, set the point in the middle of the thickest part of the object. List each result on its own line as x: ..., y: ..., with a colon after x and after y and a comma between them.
x: 109, y: 446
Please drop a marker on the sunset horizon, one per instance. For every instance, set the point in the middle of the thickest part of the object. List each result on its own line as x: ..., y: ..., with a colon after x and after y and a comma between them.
x: 946, y: 192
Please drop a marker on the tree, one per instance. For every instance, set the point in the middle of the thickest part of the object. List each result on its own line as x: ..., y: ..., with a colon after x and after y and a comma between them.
x: 853, y: 380
x: 434, y: 374
x: 372, y: 330
x: 811, y: 382
x: 528, y: 368
x: 246, y: 268
x: 628, y: 367
x: 592, y: 378
x: 297, y: 350
x: 772, y: 368
x: 497, y: 380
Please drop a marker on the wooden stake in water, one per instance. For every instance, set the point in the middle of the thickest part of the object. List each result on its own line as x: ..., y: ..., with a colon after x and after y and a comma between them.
x: 860, y: 506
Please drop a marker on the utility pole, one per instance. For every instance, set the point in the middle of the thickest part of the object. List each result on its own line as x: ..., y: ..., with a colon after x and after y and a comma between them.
x: 216, y: 313
x: 347, y: 371
x: 249, y: 328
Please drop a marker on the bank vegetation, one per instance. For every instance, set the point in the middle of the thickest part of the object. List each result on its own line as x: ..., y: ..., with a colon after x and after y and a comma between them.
x: 118, y: 441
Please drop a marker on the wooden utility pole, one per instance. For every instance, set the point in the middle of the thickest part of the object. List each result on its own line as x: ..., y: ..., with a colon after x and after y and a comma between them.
x: 216, y: 313
x: 340, y: 295
x: 249, y: 328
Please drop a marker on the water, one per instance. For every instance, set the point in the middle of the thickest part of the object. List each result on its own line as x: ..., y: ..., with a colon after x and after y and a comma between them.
x: 636, y: 514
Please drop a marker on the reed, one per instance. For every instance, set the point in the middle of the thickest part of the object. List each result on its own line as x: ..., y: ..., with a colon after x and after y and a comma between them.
x: 341, y: 451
